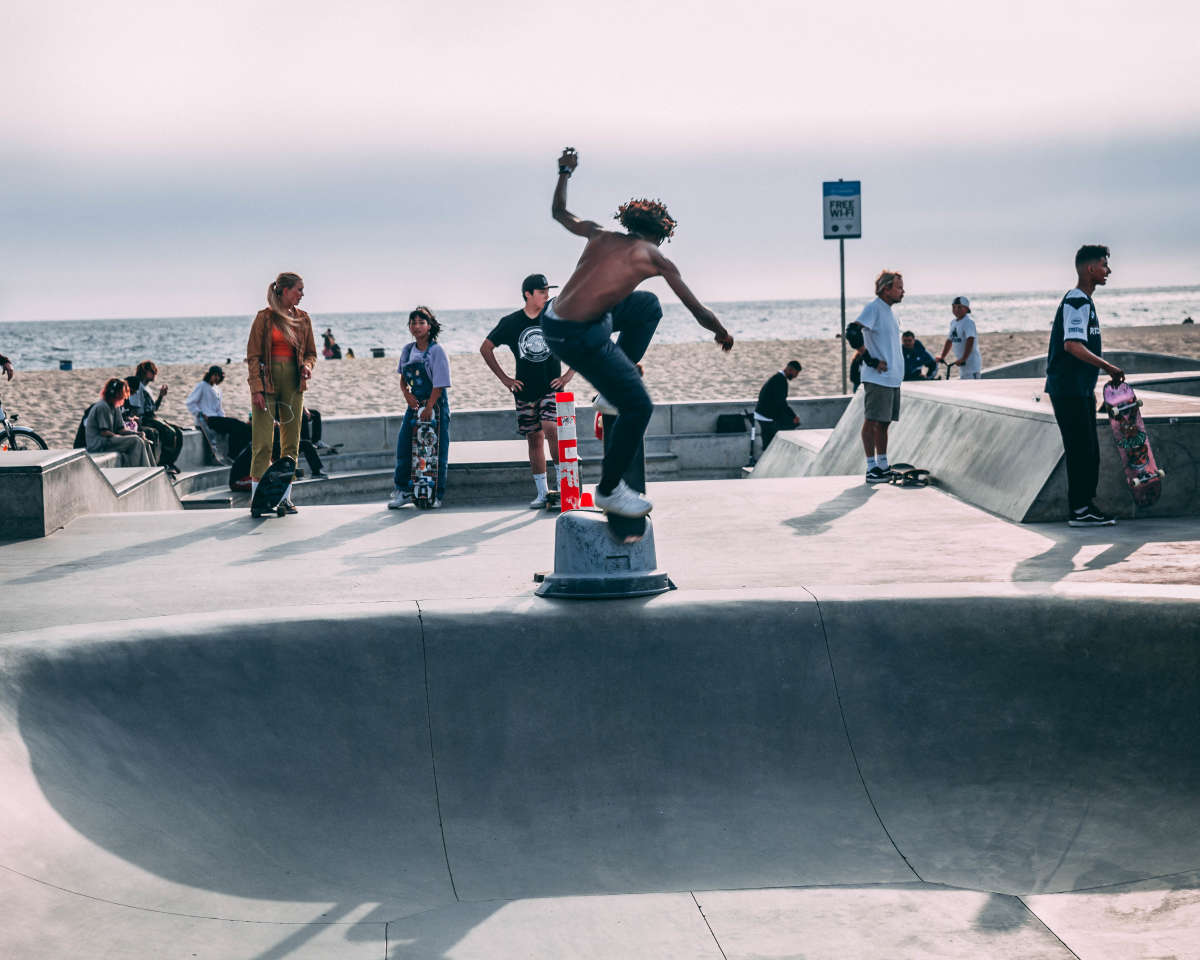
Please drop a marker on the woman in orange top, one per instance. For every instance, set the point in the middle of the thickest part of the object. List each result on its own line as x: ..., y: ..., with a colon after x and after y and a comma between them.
x: 280, y: 355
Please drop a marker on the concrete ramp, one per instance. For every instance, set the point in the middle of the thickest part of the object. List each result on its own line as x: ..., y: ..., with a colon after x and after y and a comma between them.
x: 44, y: 490
x: 279, y: 786
x: 995, y: 444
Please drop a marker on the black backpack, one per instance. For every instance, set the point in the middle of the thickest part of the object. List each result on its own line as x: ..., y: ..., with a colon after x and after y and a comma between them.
x: 854, y: 334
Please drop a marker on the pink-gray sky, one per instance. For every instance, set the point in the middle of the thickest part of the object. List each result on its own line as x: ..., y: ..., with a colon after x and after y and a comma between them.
x: 170, y: 158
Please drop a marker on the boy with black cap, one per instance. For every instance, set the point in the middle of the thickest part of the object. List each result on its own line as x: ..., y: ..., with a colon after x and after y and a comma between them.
x: 538, y: 377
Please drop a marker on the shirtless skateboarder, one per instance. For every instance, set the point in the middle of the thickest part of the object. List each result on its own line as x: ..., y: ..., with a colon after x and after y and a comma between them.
x: 601, y: 297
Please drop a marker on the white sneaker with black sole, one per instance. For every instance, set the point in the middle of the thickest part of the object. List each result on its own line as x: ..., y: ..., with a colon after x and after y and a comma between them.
x: 400, y: 499
x: 877, y: 475
x: 1090, y: 516
x: 624, y: 501
x: 538, y: 502
x: 599, y: 403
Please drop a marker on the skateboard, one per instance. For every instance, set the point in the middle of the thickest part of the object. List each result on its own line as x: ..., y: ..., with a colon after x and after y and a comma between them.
x: 268, y: 497
x: 906, y: 475
x: 1129, y: 431
x: 424, y: 461
x: 553, y: 500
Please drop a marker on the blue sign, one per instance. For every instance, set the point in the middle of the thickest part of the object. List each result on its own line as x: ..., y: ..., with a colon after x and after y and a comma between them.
x: 842, y: 208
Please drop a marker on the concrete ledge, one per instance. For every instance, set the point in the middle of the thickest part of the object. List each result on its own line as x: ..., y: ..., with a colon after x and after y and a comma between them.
x: 43, y: 491
x: 1131, y: 361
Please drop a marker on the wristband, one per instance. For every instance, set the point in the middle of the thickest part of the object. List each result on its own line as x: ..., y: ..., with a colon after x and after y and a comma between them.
x: 564, y: 171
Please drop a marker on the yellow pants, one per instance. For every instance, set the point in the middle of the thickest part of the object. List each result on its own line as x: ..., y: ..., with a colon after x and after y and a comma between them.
x: 286, y: 403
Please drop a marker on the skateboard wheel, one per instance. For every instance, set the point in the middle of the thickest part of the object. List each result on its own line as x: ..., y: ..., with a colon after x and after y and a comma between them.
x: 281, y: 511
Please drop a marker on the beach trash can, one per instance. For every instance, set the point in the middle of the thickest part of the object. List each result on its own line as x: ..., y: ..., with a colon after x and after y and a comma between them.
x: 377, y: 352
x: 64, y: 364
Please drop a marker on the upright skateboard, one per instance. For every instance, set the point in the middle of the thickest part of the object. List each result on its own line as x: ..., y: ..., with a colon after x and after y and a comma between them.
x: 1129, y: 431
x: 424, y: 461
x: 268, y: 497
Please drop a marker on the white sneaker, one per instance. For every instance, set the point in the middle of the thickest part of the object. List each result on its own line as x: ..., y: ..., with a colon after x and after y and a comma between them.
x: 538, y: 502
x: 400, y: 498
x: 436, y: 505
x: 623, y: 501
x: 599, y: 403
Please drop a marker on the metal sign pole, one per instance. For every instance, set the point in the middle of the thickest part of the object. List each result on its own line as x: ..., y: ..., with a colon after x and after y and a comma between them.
x: 842, y: 266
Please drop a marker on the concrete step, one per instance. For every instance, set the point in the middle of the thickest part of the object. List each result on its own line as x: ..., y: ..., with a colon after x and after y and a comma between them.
x: 126, y: 479
x: 110, y: 459
x: 478, y: 481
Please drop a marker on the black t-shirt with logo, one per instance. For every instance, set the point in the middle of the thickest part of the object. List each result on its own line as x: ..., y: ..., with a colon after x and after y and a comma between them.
x: 1076, y: 319
x: 536, y: 365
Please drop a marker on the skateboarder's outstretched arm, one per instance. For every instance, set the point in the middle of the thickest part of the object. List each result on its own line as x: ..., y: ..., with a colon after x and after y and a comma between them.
x: 558, y: 208
x: 705, y: 317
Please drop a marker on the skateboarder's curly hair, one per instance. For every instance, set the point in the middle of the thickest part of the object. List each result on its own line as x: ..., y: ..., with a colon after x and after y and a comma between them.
x: 427, y: 315
x: 649, y: 218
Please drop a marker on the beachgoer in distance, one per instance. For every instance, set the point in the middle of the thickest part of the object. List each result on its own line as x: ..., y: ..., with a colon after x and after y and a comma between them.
x: 166, y: 435
x: 881, y: 383
x: 772, y: 411
x: 601, y: 296
x: 204, y: 404
x: 963, y: 339
x: 105, y: 429
x: 280, y: 355
x: 918, y: 362
x: 539, y: 375
x: 6, y: 366
x: 1073, y: 361
x: 424, y: 372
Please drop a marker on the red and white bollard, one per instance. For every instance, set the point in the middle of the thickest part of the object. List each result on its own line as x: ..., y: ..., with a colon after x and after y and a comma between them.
x: 572, y: 496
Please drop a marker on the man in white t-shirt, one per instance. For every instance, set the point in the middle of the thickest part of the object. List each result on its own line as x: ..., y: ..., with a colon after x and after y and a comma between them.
x: 881, y: 383
x: 963, y: 340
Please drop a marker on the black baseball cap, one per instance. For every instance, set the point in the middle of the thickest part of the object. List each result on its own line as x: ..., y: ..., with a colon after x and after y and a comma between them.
x: 536, y: 281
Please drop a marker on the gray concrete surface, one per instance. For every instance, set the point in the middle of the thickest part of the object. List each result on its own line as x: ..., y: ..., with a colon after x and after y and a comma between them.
x: 995, y: 443
x: 1131, y: 361
x: 902, y: 726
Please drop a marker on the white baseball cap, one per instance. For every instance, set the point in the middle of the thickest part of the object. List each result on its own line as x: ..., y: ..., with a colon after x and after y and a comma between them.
x: 960, y: 302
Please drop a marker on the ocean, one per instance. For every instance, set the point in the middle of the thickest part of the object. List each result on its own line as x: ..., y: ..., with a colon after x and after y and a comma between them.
x: 41, y: 345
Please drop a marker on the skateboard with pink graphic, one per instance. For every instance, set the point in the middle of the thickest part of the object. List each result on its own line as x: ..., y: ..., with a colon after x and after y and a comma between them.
x: 1142, y: 474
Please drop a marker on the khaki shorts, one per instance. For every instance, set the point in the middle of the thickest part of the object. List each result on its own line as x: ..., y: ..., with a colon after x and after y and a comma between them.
x: 880, y: 403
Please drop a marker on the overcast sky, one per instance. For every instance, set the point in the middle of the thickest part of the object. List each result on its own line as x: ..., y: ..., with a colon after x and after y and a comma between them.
x: 169, y: 159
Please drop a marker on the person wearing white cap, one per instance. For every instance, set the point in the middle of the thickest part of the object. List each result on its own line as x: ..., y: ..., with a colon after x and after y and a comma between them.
x: 963, y: 339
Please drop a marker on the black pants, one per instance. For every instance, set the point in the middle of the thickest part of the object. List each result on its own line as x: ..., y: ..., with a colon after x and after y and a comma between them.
x: 238, y: 432
x: 310, y: 428
x: 772, y: 427
x: 168, y: 436
x: 1076, y: 418
x: 609, y: 367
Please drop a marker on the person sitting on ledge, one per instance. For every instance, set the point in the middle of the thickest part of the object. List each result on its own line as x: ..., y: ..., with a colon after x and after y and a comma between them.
x: 105, y: 430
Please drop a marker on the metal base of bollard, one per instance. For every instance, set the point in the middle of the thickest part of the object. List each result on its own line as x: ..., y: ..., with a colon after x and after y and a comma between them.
x: 590, y: 563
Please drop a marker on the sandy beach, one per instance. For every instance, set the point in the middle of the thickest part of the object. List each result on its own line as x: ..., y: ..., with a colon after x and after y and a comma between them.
x: 52, y: 402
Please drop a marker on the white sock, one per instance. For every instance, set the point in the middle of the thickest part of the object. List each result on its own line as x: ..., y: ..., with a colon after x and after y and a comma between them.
x: 287, y: 494
x: 881, y: 461
x: 253, y: 487
x: 872, y: 462
x: 539, y: 481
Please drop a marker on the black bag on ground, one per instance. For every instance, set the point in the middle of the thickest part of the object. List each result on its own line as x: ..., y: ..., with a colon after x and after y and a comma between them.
x: 731, y: 423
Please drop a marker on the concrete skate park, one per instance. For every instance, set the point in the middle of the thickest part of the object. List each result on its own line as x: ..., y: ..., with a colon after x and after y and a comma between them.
x: 870, y: 722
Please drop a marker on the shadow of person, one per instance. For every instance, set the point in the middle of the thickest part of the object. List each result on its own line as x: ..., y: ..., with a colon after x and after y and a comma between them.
x: 821, y: 518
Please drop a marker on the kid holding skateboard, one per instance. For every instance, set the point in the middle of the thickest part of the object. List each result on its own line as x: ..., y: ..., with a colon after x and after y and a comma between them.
x: 425, y: 377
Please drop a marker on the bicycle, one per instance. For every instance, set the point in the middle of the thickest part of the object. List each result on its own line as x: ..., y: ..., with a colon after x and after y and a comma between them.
x: 13, y: 437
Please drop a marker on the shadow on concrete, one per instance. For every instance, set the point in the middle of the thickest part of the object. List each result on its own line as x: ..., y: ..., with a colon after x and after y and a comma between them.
x: 821, y: 518
x: 1076, y: 550
x: 143, y: 552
